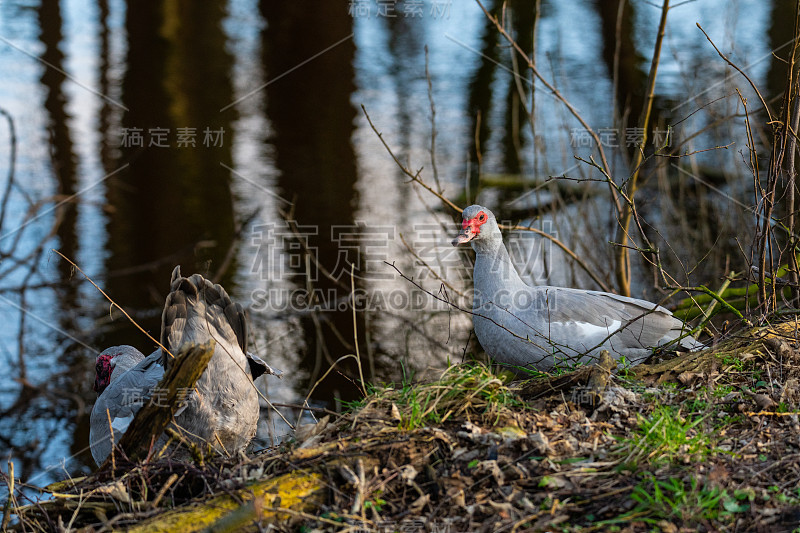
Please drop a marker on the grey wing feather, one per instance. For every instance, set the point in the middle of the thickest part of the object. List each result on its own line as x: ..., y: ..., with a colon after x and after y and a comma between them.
x: 238, y: 321
x: 200, y: 295
x: 120, y: 402
x: 648, y: 323
x: 661, y: 325
x: 592, y: 306
x: 642, y: 305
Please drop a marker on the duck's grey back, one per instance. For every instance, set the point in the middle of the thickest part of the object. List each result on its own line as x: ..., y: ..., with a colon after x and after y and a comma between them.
x: 223, y: 409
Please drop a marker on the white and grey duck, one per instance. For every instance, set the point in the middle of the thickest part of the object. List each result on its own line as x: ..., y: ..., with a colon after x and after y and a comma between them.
x: 537, y: 327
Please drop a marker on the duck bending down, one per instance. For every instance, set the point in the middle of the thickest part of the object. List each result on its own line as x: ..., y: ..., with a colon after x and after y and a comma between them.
x: 221, y: 411
x: 535, y: 328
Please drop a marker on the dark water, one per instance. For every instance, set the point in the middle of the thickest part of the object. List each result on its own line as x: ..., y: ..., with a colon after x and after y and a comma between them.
x: 150, y: 134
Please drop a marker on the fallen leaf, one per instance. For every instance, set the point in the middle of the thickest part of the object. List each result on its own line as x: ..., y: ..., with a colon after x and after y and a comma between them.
x: 554, y: 482
x: 667, y: 527
x: 420, y: 503
x: 493, y: 469
x: 116, y: 490
x: 540, y: 442
x: 763, y: 401
x: 511, y: 433
x: 304, y: 432
x: 408, y: 473
x: 688, y: 378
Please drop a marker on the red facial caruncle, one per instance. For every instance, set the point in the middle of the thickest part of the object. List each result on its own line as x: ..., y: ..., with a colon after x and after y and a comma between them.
x: 475, y: 223
x: 470, y: 228
x: 103, y: 369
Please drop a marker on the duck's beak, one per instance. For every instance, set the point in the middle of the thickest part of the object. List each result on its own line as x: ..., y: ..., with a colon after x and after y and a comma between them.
x: 465, y: 235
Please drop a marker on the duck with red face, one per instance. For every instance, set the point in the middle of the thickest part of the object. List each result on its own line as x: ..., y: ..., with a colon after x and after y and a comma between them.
x: 470, y: 225
x: 112, y: 363
x: 103, y: 368
x: 537, y: 327
x: 222, y: 410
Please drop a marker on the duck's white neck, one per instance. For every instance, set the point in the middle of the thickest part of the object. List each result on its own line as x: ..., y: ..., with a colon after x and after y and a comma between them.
x: 494, y: 270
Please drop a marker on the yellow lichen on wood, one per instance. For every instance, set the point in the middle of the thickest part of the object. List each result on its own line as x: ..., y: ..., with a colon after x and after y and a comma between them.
x: 302, y: 454
x: 783, y: 330
x: 60, y: 486
x: 299, y: 491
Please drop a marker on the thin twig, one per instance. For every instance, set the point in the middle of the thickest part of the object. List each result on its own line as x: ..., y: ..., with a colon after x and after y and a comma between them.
x: 12, y: 159
x: 10, y: 502
x: 413, y: 175
x: 433, y: 122
x: 314, y: 387
x: 355, y: 328
x: 416, y: 179
x: 740, y: 71
x: 431, y: 270
x: 623, y: 265
x: 113, y: 303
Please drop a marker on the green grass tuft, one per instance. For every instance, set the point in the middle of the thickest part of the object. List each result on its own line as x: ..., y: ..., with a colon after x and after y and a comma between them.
x: 471, y: 387
x: 677, y: 500
x: 666, y: 436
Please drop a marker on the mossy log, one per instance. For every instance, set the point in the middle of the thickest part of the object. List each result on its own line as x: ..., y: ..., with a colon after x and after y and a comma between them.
x: 738, y: 298
x: 261, y: 501
x: 702, y: 361
x: 299, y: 491
x: 753, y: 341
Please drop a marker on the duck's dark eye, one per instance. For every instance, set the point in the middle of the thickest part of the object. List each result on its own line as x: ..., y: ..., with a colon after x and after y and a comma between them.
x: 482, y: 217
